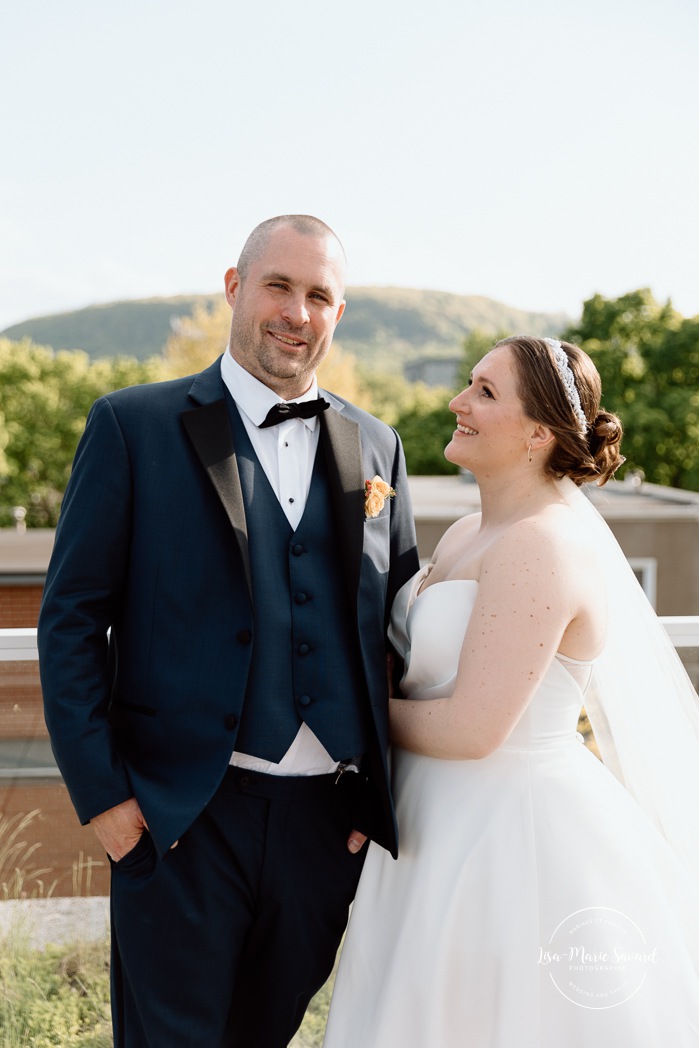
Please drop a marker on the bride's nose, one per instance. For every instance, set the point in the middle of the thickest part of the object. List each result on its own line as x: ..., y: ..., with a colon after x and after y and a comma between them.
x: 459, y: 401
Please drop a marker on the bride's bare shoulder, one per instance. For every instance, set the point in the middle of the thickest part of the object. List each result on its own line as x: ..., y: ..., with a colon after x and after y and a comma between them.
x: 462, y: 528
x: 457, y: 534
x: 552, y: 537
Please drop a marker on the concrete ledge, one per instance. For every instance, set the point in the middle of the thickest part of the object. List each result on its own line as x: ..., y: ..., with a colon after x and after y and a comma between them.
x: 44, y: 921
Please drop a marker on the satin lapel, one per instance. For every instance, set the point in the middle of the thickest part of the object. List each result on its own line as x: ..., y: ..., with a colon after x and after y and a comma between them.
x: 209, y: 429
x: 342, y: 446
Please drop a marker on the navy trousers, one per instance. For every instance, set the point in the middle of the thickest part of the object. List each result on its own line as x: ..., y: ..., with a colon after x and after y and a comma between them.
x: 223, y: 942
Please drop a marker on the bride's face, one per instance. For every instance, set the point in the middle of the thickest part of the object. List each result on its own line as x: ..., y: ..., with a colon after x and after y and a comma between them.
x: 491, y: 427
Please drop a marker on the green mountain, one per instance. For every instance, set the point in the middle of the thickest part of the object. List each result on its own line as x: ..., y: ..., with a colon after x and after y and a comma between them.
x: 138, y: 328
x: 386, y: 327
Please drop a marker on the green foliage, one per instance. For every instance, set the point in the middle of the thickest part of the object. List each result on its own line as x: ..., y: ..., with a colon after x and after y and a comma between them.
x: 424, y: 420
x: 310, y: 1034
x: 44, y: 400
x: 59, y: 998
x: 55, y: 998
x: 426, y: 426
x: 197, y: 340
x: 476, y: 345
x: 45, y: 395
x: 385, y: 395
x: 647, y: 355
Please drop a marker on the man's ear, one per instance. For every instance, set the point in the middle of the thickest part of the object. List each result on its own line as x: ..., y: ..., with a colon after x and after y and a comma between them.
x: 231, y: 283
x: 340, y: 311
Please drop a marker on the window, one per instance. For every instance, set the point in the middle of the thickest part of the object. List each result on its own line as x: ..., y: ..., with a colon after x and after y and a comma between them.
x: 646, y: 571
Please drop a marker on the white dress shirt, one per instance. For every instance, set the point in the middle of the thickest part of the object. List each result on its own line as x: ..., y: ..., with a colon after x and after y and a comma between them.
x: 287, y: 454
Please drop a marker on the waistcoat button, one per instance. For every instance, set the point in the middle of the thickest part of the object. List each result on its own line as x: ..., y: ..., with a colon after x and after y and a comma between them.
x: 304, y: 649
x: 305, y: 700
x: 301, y: 598
x: 298, y: 549
x: 243, y: 636
x: 231, y: 721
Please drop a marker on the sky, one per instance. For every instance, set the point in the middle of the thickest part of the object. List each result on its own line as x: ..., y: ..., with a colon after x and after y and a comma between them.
x: 536, y: 153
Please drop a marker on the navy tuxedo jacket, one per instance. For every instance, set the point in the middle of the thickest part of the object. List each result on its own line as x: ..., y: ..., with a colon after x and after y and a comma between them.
x: 147, y: 625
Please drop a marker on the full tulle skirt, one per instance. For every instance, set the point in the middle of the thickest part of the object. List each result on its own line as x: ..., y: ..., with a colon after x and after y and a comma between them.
x: 533, y: 905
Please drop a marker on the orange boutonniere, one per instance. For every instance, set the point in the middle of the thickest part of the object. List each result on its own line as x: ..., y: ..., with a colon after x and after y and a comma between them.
x: 376, y: 492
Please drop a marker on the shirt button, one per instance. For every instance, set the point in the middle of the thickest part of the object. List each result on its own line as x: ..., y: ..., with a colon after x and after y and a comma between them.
x: 304, y: 649
x: 231, y: 722
x: 301, y: 598
x: 305, y: 700
x: 243, y: 636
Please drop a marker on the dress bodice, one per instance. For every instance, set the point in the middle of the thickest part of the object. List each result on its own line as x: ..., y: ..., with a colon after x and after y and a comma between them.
x: 428, y: 628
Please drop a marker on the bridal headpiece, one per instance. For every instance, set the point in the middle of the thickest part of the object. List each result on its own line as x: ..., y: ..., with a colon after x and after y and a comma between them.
x: 567, y: 377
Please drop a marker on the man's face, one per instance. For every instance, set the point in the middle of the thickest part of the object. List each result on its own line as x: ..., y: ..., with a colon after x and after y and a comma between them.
x: 286, y: 308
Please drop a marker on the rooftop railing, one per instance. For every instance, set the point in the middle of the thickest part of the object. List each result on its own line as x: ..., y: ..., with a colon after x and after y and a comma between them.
x: 19, y: 645
x: 31, y: 759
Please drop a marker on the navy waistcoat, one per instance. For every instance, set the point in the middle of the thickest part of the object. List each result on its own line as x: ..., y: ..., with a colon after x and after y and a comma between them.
x: 306, y: 663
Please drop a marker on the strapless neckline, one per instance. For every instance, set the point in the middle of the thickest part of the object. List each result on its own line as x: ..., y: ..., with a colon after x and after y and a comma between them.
x: 418, y: 589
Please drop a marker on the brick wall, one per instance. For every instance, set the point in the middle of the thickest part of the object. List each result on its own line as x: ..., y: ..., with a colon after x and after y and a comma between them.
x: 74, y: 858
x: 71, y: 853
x: 19, y: 606
x: 21, y: 708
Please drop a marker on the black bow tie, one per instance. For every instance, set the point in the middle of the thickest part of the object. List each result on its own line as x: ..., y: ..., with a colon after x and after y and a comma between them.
x: 281, y: 412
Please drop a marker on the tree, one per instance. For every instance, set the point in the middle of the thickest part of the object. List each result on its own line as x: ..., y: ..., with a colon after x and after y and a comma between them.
x: 476, y: 345
x: 45, y: 398
x: 198, y: 339
x: 44, y: 401
x: 426, y: 426
x: 647, y: 355
x: 423, y: 418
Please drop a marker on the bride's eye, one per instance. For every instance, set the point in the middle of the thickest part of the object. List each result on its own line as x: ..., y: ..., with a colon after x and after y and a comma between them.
x: 486, y: 392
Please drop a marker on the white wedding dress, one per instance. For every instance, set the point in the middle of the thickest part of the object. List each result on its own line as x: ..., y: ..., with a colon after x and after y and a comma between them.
x: 533, y: 904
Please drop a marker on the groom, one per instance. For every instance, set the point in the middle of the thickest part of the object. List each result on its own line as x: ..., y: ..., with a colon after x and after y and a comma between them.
x: 212, y: 644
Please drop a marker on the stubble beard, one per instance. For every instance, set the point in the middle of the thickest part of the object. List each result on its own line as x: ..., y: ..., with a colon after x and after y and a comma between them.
x: 266, y: 362
x: 277, y: 366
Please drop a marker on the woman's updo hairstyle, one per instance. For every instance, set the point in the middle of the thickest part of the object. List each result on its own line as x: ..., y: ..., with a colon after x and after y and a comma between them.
x: 583, y: 451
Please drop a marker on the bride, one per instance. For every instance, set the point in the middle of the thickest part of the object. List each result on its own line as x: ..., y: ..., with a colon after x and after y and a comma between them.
x: 541, y: 898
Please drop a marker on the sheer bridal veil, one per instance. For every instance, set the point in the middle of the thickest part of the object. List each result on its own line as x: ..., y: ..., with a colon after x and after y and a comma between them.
x: 642, y: 706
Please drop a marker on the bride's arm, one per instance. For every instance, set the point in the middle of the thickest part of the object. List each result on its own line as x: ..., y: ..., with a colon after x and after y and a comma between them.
x: 528, y: 594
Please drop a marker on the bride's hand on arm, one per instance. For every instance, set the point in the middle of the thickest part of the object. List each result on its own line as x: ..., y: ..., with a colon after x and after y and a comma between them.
x: 521, y: 612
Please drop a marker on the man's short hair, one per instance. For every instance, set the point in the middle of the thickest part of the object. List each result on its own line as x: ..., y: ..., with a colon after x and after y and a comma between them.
x: 307, y: 225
